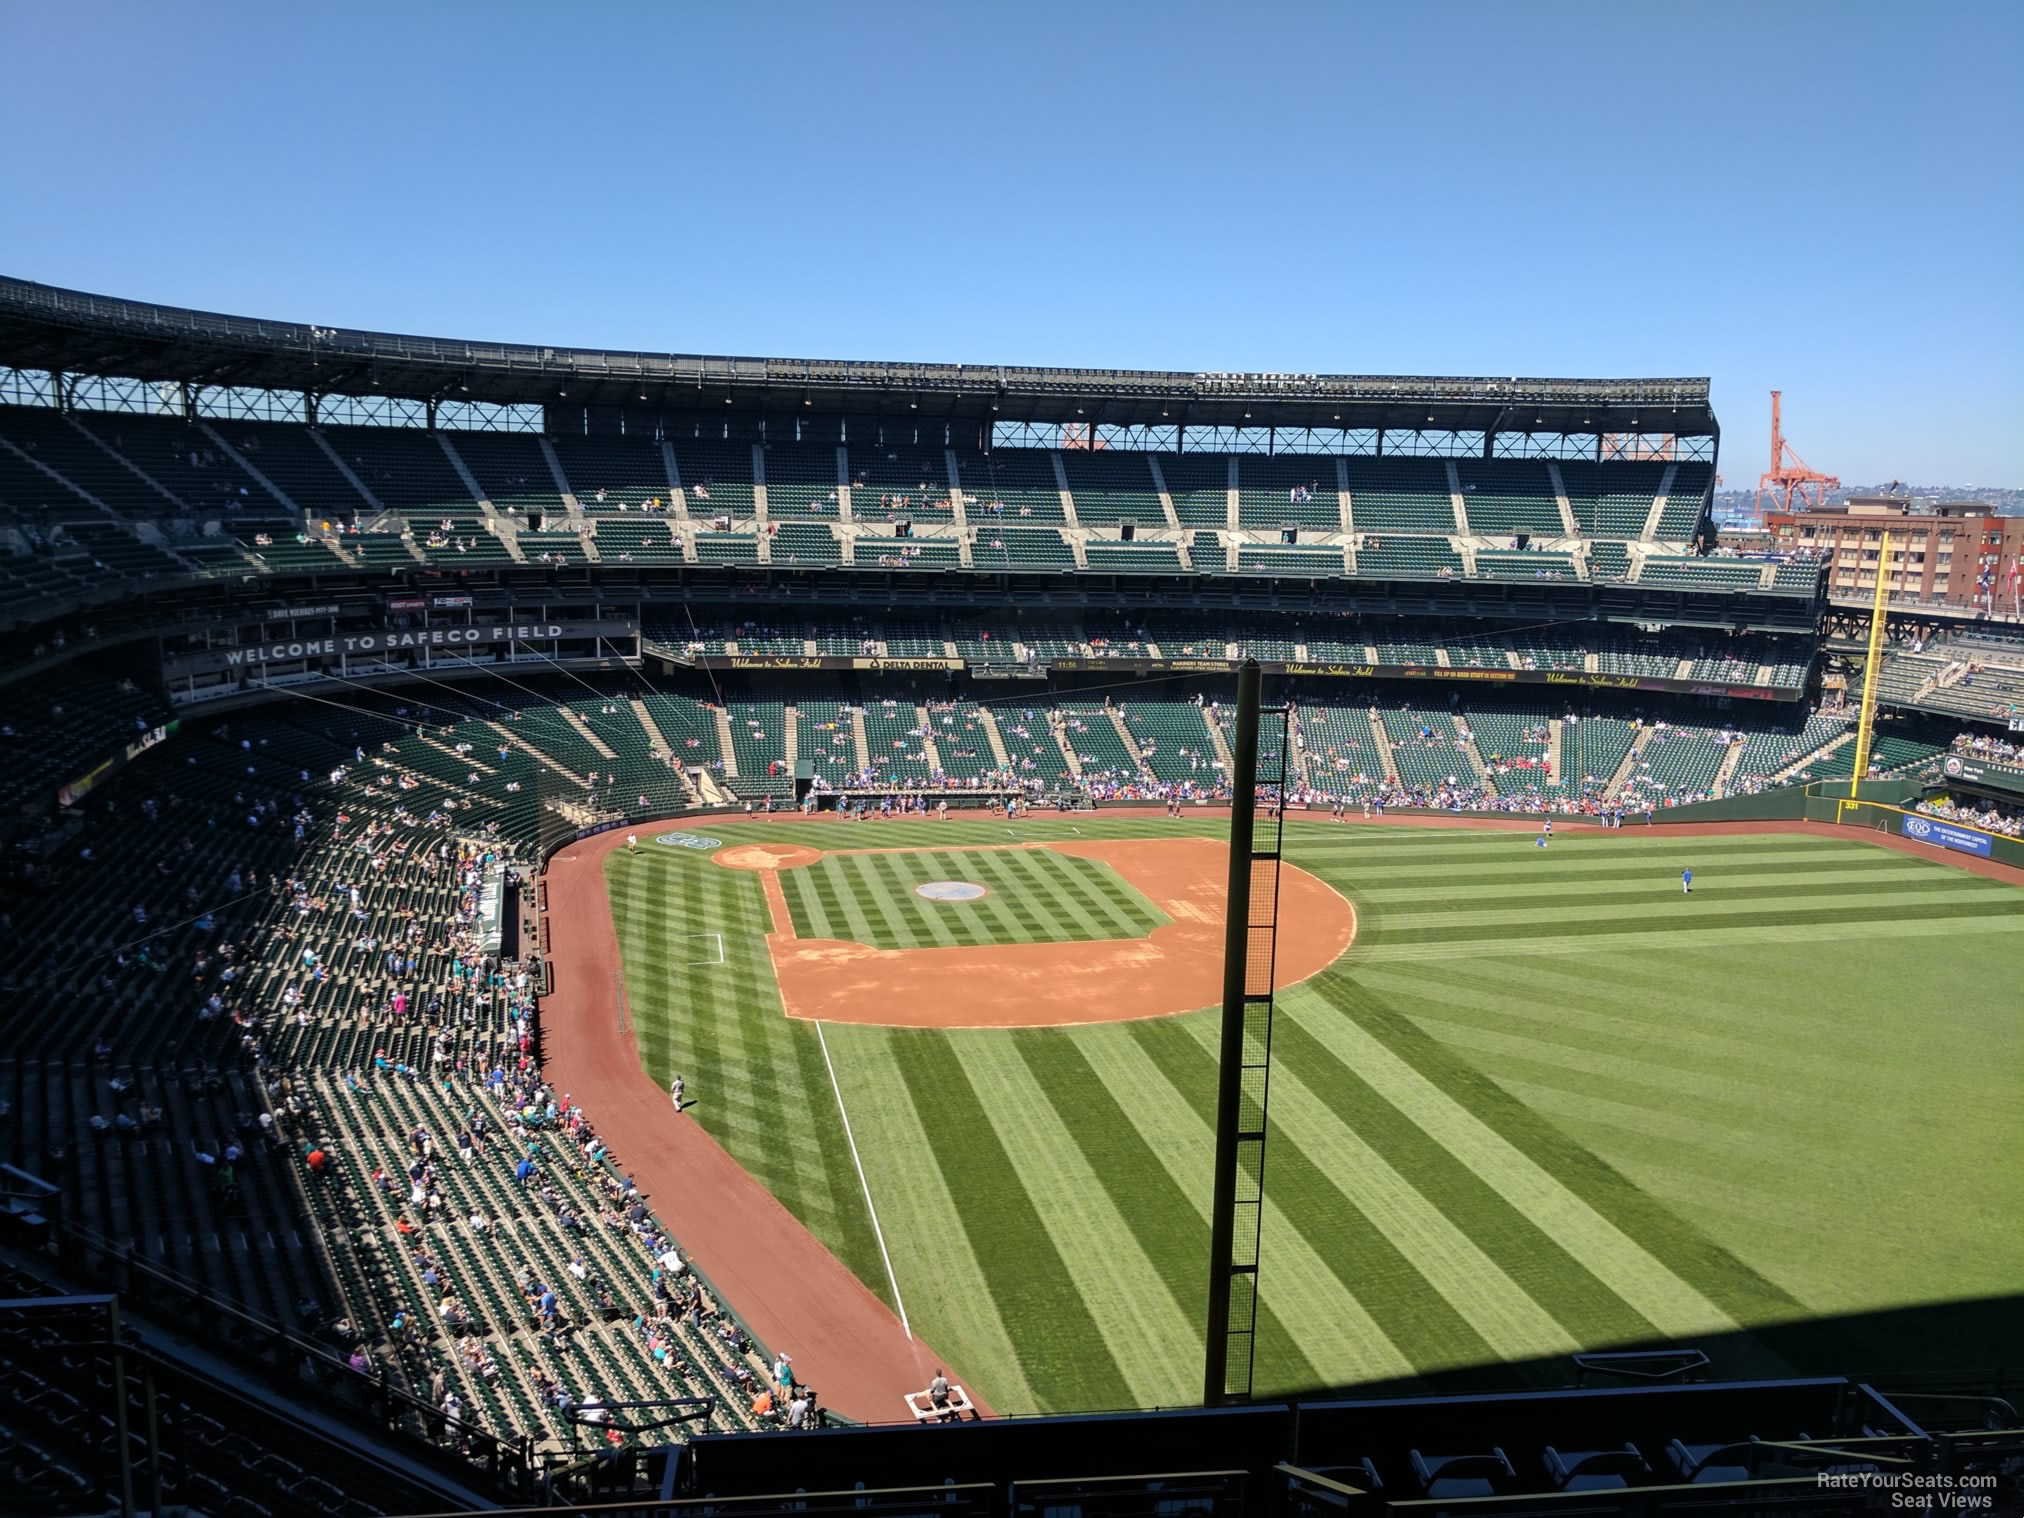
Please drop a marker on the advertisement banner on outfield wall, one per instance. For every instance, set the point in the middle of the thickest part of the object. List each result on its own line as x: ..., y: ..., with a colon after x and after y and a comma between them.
x: 1944, y: 835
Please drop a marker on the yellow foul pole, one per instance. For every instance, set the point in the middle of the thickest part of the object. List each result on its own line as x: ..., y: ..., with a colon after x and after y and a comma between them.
x: 1866, y: 718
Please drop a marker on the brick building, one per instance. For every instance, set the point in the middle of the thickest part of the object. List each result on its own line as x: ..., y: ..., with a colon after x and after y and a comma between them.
x: 1939, y: 551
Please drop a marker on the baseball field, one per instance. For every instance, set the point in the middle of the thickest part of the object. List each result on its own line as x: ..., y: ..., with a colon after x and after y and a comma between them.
x: 1524, y: 1101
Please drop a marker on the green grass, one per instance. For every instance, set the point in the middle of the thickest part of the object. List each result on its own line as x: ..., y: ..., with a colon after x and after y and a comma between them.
x: 1545, y: 1103
x: 1032, y: 896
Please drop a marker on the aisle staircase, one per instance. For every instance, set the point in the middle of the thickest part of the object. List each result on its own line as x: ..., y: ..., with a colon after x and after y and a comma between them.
x: 994, y: 738
x: 664, y: 750
x: 860, y: 741
x: 929, y: 749
x: 1061, y: 741
x: 1616, y: 783
x: 1390, y: 765
x: 538, y: 756
x: 589, y: 734
x: 1124, y: 732
x: 724, y: 744
x: 1221, y: 745
x: 1833, y: 745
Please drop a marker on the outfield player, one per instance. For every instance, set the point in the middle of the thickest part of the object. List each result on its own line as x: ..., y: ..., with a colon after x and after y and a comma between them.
x: 1686, y: 882
x: 632, y: 843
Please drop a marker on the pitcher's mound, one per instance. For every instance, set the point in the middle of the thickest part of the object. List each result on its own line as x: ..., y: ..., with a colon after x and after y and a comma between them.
x: 767, y: 856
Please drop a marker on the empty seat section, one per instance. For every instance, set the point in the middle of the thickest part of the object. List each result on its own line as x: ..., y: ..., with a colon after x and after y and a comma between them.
x: 904, y: 640
x: 717, y: 477
x: 1611, y: 500
x: 1288, y: 490
x: 1648, y: 657
x: 179, y: 456
x: 1685, y: 500
x: 1797, y: 579
x: 1505, y: 564
x: 630, y: 539
x: 759, y: 742
x: 614, y: 473
x: 801, y: 483
x: 1030, y: 744
x: 1427, y: 751
x: 961, y: 740
x: 1207, y: 554
x: 826, y: 741
x: 49, y: 438
x: 805, y: 545
x: 406, y: 468
x: 1089, y: 730
x: 552, y: 548
x: 291, y: 457
x: 1316, y: 563
x: 1507, y: 496
x: 1700, y: 574
x: 907, y: 553
x: 893, y: 739
x: 1014, y: 548
x: 1383, y: 555
x: 1400, y: 493
x: 1199, y: 486
x: 1009, y: 484
x: 1173, y: 741
x: 688, y: 726
x: 1343, y: 759
x: 1608, y: 561
x: 1112, y: 487
x: 890, y: 482
x: 1677, y: 764
x: 727, y: 547
x: 1133, y: 557
x: 512, y: 471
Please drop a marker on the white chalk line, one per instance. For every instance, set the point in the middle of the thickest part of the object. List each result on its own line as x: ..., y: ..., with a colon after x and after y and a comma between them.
x: 695, y: 963
x: 869, y: 1205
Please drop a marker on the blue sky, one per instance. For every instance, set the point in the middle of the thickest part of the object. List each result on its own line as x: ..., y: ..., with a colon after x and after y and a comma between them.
x: 1822, y: 197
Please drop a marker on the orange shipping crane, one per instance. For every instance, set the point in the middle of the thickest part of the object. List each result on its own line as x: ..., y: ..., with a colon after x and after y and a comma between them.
x: 1788, y: 479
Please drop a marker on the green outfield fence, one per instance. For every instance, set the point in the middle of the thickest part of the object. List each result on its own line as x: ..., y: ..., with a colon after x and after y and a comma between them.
x: 1828, y: 801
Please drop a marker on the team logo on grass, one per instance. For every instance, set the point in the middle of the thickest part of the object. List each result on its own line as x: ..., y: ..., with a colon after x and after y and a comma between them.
x: 689, y: 841
x: 950, y: 890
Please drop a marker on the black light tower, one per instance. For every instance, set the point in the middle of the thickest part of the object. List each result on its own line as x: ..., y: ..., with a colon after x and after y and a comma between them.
x: 1250, y: 938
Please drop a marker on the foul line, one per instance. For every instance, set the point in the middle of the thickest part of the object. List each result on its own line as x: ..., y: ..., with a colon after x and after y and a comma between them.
x: 869, y: 1206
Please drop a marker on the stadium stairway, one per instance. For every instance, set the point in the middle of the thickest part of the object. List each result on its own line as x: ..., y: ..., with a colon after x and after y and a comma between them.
x: 1059, y: 728
x: 994, y: 738
x: 539, y: 756
x: 1125, y: 736
x: 570, y: 716
x: 1826, y: 750
x: 1727, y: 773
x: 1220, y: 746
x: 1388, y: 767
x: 930, y: 751
x: 860, y: 740
x: 724, y: 743
x: 1620, y: 777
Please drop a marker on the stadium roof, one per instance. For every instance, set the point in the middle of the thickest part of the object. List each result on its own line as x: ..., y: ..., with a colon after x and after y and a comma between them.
x: 43, y: 327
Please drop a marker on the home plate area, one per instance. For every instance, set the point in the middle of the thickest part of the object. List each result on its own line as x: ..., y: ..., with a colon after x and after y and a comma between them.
x: 1018, y: 935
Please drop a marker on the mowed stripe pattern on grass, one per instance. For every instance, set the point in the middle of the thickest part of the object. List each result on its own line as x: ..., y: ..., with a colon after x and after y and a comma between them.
x: 1484, y: 1157
x: 1031, y: 896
